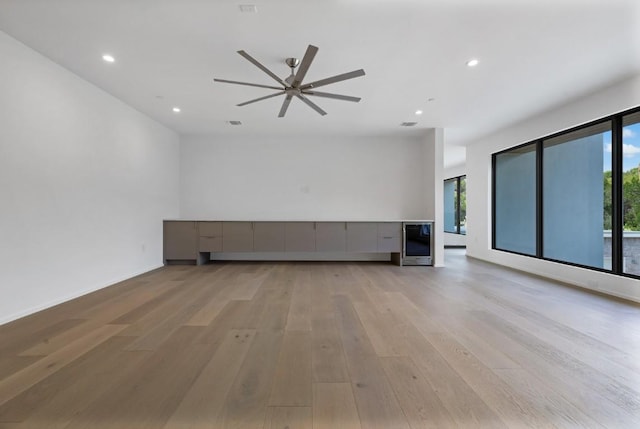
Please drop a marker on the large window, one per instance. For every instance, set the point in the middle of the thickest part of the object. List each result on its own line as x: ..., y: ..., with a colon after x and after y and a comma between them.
x: 573, y: 197
x: 455, y: 205
x: 631, y: 193
x: 514, y: 191
x: 573, y: 208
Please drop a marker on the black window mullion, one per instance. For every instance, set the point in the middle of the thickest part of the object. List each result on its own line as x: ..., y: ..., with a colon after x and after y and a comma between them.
x: 539, y: 196
x: 617, y: 221
x: 493, y: 200
x: 458, y: 205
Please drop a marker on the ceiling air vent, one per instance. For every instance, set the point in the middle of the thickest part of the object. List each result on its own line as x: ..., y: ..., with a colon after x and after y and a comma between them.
x: 408, y: 124
x: 248, y: 8
x: 234, y: 122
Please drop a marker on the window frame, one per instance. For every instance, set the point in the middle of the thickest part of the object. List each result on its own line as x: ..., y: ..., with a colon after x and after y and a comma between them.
x: 457, y: 219
x: 616, y: 121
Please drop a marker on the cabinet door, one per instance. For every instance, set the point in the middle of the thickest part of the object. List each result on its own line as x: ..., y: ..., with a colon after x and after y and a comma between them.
x: 300, y: 237
x: 210, y: 236
x: 180, y: 240
x: 362, y: 237
x: 389, y: 237
x: 331, y: 236
x: 237, y: 236
x: 268, y: 236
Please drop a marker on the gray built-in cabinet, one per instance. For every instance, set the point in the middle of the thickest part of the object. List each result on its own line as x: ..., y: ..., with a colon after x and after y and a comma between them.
x: 362, y: 237
x: 180, y: 240
x: 195, y: 241
x: 300, y: 237
x: 389, y: 236
x: 268, y: 236
x: 209, y: 236
x: 331, y: 236
x: 237, y: 236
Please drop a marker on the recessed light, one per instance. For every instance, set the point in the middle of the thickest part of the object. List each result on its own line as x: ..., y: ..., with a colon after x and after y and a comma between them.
x: 408, y: 124
x: 418, y: 112
x: 472, y: 63
x: 108, y: 58
x: 176, y: 110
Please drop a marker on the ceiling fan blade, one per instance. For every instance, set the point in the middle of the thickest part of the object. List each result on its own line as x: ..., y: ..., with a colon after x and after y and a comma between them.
x: 285, y: 105
x: 333, y: 79
x: 309, y: 55
x: 311, y: 104
x: 246, y: 83
x: 261, y: 67
x: 260, y: 99
x: 335, y: 96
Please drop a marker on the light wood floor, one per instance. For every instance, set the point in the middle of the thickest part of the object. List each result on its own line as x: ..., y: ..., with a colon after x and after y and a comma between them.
x: 325, y: 346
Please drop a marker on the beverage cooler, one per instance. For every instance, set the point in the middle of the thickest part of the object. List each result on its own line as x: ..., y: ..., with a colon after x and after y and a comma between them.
x: 417, y: 243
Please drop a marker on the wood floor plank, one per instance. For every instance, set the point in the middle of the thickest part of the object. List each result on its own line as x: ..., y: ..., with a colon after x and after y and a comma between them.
x: 376, y: 401
x: 152, y: 393
x: 172, y: 294
x: 12, y: 364
x: 246, y: 285
x: 203, y: 404
x: 385, y: 331
x: 334, y: 407
x: 586, y: 349
x: 130, y: 299
x: 53, y: 402
x: 550, y: 404
x: 274, y: 314
x: 292, y: 381
x: 617, y: 404
x: 299, y: 317
x: 16, y: 337
x: 27, y: 377
x: 225, y: 290
x: 154, y: 336
x: 418, y: 399
x: 506, y: 402
x: 502, y: 399
x: 248, y: 398
x: 288, y: 418
x: 461, y: 401
x: 327, y: 355
x: 52, y: 344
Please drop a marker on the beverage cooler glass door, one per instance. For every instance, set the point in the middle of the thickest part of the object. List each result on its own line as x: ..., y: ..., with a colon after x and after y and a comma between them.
x: 417, y: 244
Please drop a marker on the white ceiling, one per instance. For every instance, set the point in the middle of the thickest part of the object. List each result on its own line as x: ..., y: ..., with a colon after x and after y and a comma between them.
x: 534, y: 54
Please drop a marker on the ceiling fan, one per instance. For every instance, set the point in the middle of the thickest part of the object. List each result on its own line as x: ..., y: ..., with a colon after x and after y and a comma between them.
x: 293, y: 85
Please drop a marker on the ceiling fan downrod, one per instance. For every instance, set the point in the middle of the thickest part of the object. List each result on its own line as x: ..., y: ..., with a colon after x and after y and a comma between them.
x: 293, y: 63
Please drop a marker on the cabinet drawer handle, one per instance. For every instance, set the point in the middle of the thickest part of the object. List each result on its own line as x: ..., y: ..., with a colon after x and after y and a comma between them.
x: 387, y: 238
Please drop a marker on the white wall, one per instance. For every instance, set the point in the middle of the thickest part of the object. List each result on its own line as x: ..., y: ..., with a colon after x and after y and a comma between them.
x: 301, y: 179
x: 85, y: 182
x: 614, y: 99
x: 433, y: 156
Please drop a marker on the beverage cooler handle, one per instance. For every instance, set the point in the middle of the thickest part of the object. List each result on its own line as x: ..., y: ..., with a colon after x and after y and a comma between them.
x: 404, y: 241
